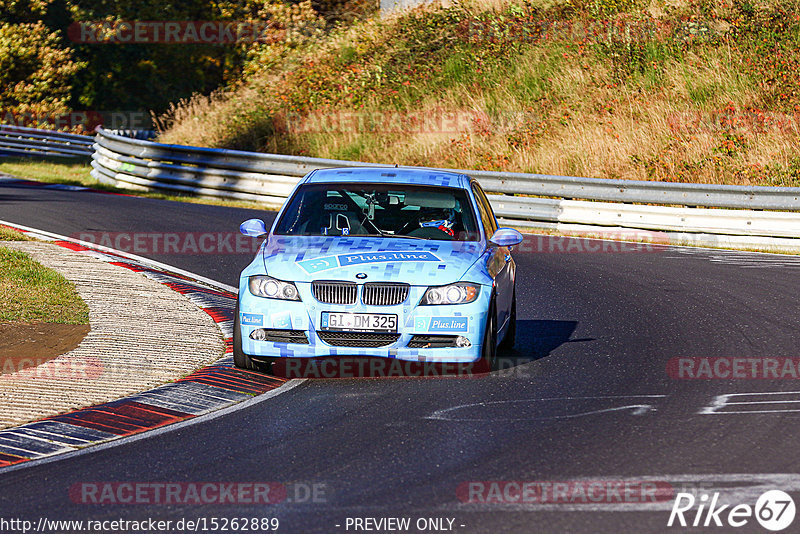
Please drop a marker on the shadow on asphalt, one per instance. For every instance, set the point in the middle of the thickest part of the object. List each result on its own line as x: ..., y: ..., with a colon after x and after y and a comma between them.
x: 535, y: 340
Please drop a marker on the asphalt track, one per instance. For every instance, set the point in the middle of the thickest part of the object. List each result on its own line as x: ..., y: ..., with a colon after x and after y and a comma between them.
x: 586, y: 396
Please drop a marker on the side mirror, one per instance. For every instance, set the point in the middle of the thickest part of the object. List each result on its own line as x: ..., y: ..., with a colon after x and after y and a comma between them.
x: 506, y: 237
x: 253, y: 228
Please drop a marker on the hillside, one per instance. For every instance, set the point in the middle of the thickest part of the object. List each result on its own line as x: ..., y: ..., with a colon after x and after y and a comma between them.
x: 698, y: 91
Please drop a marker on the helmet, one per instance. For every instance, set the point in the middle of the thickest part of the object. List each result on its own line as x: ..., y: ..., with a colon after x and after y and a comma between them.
x: 443, y: 219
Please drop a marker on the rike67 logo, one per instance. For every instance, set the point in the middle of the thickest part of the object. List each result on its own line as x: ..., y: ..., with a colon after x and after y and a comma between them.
x: 774, y: 510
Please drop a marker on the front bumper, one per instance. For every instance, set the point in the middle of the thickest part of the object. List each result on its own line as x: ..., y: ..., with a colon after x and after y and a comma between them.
x: 467, y: 320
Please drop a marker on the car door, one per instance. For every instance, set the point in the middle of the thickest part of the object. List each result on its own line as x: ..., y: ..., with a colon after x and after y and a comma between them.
x: 500, y: 263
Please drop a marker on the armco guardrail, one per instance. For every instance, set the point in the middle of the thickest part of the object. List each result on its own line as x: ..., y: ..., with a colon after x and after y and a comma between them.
x: 21, y: 141
x: 647, y: 217
x: 706, y: 195
x: 268, y: 178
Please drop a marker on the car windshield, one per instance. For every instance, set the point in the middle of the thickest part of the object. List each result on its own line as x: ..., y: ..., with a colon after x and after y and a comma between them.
x: 388, y: 210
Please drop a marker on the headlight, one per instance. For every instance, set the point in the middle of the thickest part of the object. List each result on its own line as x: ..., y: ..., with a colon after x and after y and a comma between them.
x: 271, y: 288
x: 458, y: 293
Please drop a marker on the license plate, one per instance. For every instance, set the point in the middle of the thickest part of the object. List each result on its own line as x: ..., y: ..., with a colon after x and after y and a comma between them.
x: 359, y: 322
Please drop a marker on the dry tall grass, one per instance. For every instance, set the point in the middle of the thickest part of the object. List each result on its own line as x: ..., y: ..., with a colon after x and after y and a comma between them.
x: 701, y: 114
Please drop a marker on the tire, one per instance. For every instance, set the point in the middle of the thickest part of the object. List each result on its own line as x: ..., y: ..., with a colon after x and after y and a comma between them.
x: 489, y: 350
x: 511, y: 332
x: 240, y: 359
x: 264, y: 364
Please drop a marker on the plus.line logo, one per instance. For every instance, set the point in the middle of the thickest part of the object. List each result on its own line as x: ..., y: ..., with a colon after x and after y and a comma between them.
x: 774, y: 510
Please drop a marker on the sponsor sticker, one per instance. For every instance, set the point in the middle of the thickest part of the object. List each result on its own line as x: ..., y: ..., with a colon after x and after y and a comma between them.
x: 252, y: 319
x: 282, y: 320
x: 318, y: 264
x: 449, y: 324
x: 441, y: 324
x: 344, y: 260
x: 381, y: 257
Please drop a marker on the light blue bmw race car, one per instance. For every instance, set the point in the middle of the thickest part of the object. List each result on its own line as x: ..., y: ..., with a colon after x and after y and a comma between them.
x: 402, y: 263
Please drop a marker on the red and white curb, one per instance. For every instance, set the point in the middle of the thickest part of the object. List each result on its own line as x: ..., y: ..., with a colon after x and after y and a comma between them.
x: 207, y: 390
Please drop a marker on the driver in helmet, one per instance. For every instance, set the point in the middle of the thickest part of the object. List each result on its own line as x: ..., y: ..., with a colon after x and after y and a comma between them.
x: 439, y: 218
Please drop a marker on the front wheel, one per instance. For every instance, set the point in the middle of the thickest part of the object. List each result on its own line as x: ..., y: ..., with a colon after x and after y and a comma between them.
x: 511, y: 332
x: 489, y: 351
x: 240, y: 359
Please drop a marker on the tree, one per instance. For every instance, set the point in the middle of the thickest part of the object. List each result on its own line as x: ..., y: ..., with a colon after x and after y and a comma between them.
x: 35, y: 70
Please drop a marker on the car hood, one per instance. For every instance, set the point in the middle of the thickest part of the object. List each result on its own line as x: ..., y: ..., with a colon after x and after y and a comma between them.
x: 417, y: 262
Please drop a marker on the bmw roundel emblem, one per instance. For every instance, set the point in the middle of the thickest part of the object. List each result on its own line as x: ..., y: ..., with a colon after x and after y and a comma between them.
x: 361, y: 276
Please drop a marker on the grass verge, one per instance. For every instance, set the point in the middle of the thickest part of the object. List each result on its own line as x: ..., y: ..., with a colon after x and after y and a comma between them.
x: 9, y: 234
x: 32, y: 293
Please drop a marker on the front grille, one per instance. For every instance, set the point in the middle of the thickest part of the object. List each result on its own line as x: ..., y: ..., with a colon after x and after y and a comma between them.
x: 357, y: 339
x: 335, y: 292
x: 431, y: 342
x: 281, y: 336
x: 384, y: 294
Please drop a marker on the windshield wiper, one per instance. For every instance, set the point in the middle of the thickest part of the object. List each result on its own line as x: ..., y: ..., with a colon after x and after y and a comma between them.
x: 404, y: 236
x: 382, y: 233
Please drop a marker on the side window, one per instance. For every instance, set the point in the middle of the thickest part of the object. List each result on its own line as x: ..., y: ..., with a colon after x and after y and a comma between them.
x: 487, y: 215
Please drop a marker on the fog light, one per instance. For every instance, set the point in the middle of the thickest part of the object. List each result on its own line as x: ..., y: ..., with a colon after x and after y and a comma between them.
x: 259, y: 334
x: 461, y: 341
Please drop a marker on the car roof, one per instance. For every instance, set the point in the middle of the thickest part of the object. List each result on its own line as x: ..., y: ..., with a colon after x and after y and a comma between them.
x: 389, y: 175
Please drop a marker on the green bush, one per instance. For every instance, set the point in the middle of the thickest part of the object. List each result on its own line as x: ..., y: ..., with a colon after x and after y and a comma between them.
x: 35, y: 70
